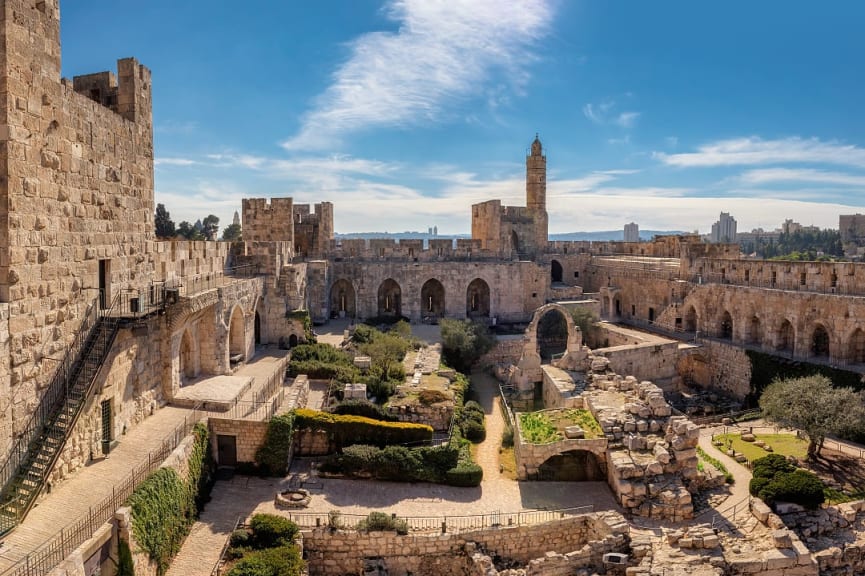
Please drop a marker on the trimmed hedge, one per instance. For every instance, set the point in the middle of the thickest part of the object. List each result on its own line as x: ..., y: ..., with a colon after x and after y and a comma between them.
x: 440, y: 464
x: 363, y: 408
x: 165, y: 506
x: 775, y: 479
x: 347, y: 430
x: 272, y: 456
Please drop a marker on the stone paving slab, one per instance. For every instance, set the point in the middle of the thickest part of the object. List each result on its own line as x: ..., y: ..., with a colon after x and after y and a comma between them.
x: 215, y: 390
x: 89, y: 486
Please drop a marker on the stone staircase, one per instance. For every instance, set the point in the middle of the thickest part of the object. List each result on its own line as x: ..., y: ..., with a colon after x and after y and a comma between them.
x: 38, y: 446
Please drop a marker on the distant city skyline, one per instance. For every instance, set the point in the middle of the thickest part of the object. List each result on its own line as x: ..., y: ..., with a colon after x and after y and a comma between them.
x: 404, y: 112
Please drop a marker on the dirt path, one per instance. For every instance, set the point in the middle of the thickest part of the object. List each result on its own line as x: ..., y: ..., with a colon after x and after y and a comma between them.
x: 487, y: 453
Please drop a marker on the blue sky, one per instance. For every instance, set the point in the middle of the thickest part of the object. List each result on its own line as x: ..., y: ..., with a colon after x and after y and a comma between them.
x: 405, y: 112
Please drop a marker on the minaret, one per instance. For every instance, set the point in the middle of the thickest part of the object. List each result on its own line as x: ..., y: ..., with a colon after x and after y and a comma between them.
x: 536, y: 177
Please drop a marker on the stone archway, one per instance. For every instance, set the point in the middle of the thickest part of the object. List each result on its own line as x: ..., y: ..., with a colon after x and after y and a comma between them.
x: 188, y: 368
x: 529, y: 370
x: 755, y: 334
x: 820, y: 342
x: 432, y: 299
x: 343, y: 302
x: 552, y: 334
x: 236, y: 333
x: 725, y: 328
x: 691, y: 319
x: 515, y: 242
x: 389, y: 298
x: 556, y: 271
x: 292, y: 341
x: 572, y: 466
x: 478, y: 299
x: 785, y: 338
x: 856, y: 347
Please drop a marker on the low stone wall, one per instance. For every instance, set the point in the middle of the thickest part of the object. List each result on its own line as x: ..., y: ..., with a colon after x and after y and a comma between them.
x: 312, y: 443
x: 529, y: 457
x: 835, y: 535
x: 343, y: 552
x: 437, y: 415
x: 249, y: 436
x: 651, y: 361
x: 718, y: 366
x: 506, y: 351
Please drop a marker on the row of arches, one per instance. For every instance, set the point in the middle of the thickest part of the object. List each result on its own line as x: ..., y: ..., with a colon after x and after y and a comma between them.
x: 814, y: 341
x: 200, y: 336
x: 389, y: 299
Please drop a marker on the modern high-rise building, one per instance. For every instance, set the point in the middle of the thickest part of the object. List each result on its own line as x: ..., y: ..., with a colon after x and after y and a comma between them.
x: 632, y: 232
x: 724, y: 230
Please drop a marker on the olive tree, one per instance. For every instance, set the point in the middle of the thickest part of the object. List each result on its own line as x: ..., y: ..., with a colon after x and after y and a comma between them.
x: 811, y: 404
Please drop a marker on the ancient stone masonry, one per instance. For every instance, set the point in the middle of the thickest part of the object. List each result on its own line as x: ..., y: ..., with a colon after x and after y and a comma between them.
x: 343, y: 552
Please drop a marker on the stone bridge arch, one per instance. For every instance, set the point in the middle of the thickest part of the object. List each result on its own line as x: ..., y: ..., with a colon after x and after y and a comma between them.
x: 572, y: 459
x: 529, y: 366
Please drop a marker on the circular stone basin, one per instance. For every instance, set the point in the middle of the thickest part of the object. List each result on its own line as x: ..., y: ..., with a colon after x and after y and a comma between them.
x: 296, y: 498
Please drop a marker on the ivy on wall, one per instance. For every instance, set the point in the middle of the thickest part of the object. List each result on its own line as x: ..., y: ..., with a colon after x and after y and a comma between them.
x: 272, y: 456
x: 165, y: 505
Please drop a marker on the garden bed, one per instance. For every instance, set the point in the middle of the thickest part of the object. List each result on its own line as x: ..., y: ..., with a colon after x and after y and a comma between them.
x: 549, y: 426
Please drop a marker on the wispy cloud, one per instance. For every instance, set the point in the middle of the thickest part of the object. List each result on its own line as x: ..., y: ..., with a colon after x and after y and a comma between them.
x: 443, y: 52
x: 174, y: 162
x: 627, y: 119
x: 754, y: 150
x: 605, y: 113
x: 772, y: 175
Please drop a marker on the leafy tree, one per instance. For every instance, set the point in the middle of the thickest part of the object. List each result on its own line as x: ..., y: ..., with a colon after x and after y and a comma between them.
x: 232, y: 233
x: 585, y: 319
x: 209, y: 227
x: 189, y: 231
x: 464, y: 342
x: 811, y: 404
x: 164, y: 223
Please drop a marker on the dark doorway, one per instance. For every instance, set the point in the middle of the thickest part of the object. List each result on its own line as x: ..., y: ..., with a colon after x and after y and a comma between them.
x: 292, y: 341
x: 104, y: 272
x: 226, y: 450
x: 573, y: 466
x: 651, y: 314
x: 257, y: 328
x: 556, y: 271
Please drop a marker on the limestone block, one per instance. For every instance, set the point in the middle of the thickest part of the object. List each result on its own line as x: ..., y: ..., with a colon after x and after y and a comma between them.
x: 661, y: 454
x: 760, y: 510
x: 782, y: 539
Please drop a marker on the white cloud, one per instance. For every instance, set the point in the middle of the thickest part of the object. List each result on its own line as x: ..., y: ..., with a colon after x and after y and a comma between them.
x: 627, y: 119
x: 174, y: 162
x: 442, y: 53
x: 593, y: 115
x: 754, y: 150
x: 770, y: 175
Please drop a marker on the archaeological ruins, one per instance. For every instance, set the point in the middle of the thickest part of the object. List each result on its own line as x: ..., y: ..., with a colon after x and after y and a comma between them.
x: 110, y: 332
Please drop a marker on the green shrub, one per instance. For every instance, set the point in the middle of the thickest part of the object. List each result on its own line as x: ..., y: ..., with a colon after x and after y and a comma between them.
x: 379, y: 521
x: 240, y: 538
x: 280, y: 561
x: 465, y: 474
x: 347, y: 430
x: 473, y: 407
x: 363, y: 408
x: 800, y: 487
x: 428, y: 397
x: 474, y: 431
x: 272, y: 456
x: 271, y: 531
x: 464, y: 342
x: 719, y: 466
x: 319, y: 370
x: 775, y: 479
x: 395, y: 463
x: 380, y: 389
x: 508, y: 437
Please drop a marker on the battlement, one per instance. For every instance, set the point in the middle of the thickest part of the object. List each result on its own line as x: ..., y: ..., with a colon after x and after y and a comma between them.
x: 410, y: 250
x: 130, y: 96
x: 268, y: 220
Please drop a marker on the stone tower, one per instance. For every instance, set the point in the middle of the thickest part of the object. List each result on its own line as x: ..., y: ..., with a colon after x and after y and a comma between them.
x: 536, y: 177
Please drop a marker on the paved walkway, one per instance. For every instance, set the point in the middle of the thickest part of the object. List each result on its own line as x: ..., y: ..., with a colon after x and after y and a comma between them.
x: 89, y: 486
x: 729, y: 508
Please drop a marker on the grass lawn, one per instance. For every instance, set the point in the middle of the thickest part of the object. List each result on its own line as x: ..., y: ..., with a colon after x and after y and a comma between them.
x: 784, y: 444
x: 508, y: 463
